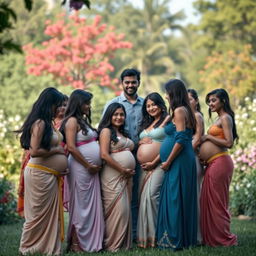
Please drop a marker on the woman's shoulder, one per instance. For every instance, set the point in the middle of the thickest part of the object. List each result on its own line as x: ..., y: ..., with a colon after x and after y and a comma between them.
x: 105, y: 131
x: 39, y: 123
x: 225, y: 117
x: 165, y: 121
x: 180, y: 110
x: 180, y: 113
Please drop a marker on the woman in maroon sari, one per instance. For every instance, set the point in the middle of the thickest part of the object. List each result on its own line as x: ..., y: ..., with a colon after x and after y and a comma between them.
x: 215, y: 217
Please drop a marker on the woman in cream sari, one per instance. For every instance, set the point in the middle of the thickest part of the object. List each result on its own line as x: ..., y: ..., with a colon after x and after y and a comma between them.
x: 43, y: 229
x: 116, y: 182
x: 155, y: 116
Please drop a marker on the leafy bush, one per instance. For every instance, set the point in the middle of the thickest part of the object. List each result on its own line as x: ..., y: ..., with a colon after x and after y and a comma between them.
x: 7, y: 203
x: 10, y: 151
x: 243, y: 186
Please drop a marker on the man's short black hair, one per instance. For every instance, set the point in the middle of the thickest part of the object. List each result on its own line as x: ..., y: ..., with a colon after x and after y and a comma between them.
x: 130, y: 72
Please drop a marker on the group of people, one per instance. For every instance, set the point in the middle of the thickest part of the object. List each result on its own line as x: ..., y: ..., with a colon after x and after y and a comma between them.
x: 147, y: 174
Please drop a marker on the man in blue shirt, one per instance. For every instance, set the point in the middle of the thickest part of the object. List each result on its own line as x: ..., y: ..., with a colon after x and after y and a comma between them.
x: 130, y: 79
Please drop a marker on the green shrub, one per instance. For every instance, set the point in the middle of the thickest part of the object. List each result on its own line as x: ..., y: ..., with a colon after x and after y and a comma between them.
x: 7, y: 203
x: 10, y: 150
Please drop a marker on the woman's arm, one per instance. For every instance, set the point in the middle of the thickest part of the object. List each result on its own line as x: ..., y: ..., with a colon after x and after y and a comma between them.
x: 227, y: 126
x: 199, y: 131
x: 71, y: 128
x: 105, y: 141
x: 180, y: 122
x: 35, y: 149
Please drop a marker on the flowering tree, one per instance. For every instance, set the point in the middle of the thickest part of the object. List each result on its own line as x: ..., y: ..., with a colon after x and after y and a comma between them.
x: 234, y: 71
x: 77, y: 53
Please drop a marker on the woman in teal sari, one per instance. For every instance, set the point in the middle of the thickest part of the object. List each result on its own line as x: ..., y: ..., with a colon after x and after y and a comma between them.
x: 177, y: 216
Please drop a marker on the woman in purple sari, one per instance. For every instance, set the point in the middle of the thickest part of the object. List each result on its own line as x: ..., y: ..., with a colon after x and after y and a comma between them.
x: 86, y: 223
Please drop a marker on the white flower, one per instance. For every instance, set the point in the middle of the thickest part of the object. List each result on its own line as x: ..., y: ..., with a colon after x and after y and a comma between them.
x: 247, y: 99
x: 10, y: 119
x: 248, y: 185
x: 254, y: 129
x: 17, y: 118
x: 252, y: 122
x: 244, y: 115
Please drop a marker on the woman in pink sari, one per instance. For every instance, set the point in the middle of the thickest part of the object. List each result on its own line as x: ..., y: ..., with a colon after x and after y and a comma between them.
x: 116, y: 182
x: 86, y: 223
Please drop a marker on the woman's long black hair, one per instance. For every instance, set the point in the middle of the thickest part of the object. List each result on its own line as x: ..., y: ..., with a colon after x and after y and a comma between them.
x: 74, y: 109
x: 106, y: 121
x: 178, y: 95
x: 43, y: 109
x: 224, y: 98
x: 146, y: 118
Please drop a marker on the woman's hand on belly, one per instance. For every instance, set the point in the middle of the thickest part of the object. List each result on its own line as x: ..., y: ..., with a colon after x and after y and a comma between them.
x: 148, y: 166
x: 93, y: 169
x: 59, y: 150
x: 127, y: 173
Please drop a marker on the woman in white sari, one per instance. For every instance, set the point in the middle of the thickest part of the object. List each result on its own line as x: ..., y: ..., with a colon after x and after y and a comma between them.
x: 43, y: 229
x: 152, y: 134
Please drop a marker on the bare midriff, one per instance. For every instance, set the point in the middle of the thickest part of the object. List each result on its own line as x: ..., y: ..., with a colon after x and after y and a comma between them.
x: 148, y: 152
x: 209, y: 149
x: 57, y: 162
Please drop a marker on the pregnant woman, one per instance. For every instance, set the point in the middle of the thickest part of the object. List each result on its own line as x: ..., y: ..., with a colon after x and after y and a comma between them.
x: 86, y: 223
x: 177, y: 215
x: 215, y: 217
x: 43, y: 210
x: 195, y: 105
x: 152, y: 134
x: 116, y: 178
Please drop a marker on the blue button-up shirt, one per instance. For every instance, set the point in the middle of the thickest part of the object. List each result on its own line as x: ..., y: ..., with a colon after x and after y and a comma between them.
x: 133, y: 115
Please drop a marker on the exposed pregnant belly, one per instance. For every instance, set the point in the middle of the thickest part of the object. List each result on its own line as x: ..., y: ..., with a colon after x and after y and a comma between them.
x: 57, y: 162
x: 125, y: 159
x: 148, y: 152
x: 209, y: 149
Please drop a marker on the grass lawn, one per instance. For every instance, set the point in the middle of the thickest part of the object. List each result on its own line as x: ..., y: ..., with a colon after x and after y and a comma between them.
x: 245, y: 229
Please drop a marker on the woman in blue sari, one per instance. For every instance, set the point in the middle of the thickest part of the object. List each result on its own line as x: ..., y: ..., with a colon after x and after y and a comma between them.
x: 177, y: 216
